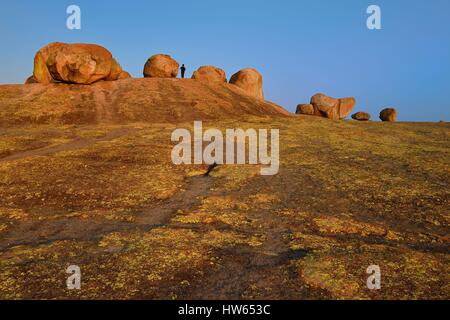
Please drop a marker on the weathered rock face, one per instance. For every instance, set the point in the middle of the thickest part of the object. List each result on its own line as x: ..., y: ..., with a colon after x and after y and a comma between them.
x: 325, y: 106
x: 306, y: 109
x: 346, y: 106
x: 124, y: 75
x: 41, y: 71
x: 332, y: 108
x: 361, y: 116
x: 250, y: 80
x: 75, y: 63
x: 210, y: 73
x: 116, y: 70
x: 128, y: 101
x: 30, y: 80
x: 388, y: 115
x: 161, y: 66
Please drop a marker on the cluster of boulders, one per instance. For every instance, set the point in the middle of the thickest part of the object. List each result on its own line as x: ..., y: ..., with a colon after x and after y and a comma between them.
x: 337, y: 109
x: 75, y: 63
x: 328, y: 107
x: 90, y: 63
x: 164, y: 66
x: 386, y: 115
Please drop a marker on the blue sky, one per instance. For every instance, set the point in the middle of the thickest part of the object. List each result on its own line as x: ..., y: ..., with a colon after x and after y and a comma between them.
x: 301, y: 47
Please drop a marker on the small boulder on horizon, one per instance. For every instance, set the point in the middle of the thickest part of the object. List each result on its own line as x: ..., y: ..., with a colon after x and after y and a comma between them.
x: 361, y: 116
x: 388, y: 115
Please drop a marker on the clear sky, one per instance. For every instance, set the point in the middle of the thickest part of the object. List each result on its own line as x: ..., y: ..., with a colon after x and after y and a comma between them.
x: 300, y: 46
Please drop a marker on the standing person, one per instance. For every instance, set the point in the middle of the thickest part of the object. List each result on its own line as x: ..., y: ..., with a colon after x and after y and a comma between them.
x: 183, y: 71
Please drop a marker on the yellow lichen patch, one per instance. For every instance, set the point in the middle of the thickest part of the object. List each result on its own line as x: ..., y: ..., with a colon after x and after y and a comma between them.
x: 220, y: 239
x: 294, y: 214
x: 424, y: 272
x: 331, y: 275
x: 195, y: 172
x: 405, y: 273
x: 236, y: 175
x: 210, y: 218
x: 10, y: 289
x: 334, y: 196
x: 301, y: 241
x: 216, y: 209
x: 218, y: 203
x: 13, y: 214
x: 343, y: 225
x: 264, y: 200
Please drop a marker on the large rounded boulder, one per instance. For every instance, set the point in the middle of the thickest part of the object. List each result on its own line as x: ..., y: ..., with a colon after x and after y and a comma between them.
x: 161, y: 66
x: 250, y: 80
x: 388, y: 115
x: 75, y: 63
x: 210, y: 74
x: 332, y: 108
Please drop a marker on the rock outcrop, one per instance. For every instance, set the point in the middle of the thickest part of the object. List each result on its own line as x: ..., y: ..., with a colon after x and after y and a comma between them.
x: 124, y: 75
x: 161, y: 66
x: 131, y: 100
x: 388, y: 115
x: 332, y: 108
x: 306, y: 109
x: 75, y: 63
x: 115, y: 72
x: 346, y: 106
x: 30, y: 80
x: 361, y: 116
x: 210, y: 73
x: 250, y: 80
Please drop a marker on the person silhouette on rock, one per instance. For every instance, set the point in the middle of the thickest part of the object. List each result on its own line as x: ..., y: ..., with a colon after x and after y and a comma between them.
x: 183, y: 71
